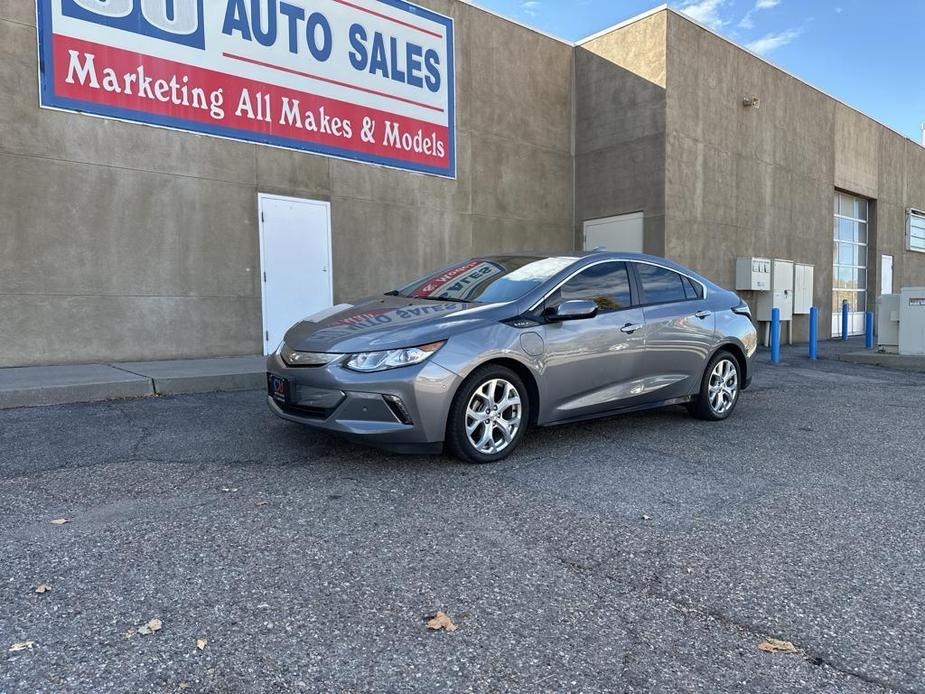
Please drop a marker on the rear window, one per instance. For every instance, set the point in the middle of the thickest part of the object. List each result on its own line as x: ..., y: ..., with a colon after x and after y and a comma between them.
x: 660, y: 285
x: 692, y: 289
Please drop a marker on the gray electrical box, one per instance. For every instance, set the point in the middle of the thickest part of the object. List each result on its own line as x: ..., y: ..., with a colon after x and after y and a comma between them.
x: 781, y: 294
x: 802, y: 288
x: 912, y: 320
x: 753, y: 274
x: 888, y: 323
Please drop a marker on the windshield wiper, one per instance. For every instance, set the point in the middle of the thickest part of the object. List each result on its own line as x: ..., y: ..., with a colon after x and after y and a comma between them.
x: 445, y: 299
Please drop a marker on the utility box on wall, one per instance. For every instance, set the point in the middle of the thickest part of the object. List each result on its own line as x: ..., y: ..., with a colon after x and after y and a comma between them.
x: 912, y: 320
x: 753, y: 274
x: 802, y: 288
x: 888, y: 323
x: 781, y: 294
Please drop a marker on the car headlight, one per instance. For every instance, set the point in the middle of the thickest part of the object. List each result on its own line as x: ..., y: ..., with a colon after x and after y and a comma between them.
x: 392, y: 358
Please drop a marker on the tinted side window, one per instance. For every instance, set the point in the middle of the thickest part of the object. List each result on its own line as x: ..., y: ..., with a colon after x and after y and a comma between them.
x: 659, y: 285
x: 692, y: 289
x: 606, y: 284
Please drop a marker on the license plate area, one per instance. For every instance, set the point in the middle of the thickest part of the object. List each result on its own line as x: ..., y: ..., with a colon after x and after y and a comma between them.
x: 278, y: 388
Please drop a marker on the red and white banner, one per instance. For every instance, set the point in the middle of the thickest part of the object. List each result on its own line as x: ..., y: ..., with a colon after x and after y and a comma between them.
x: 370, y: 80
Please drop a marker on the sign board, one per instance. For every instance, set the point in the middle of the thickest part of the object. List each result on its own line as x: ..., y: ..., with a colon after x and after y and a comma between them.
x: 369, y: 80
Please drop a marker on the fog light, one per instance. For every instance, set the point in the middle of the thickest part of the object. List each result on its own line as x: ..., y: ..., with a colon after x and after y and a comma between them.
x: 398, y: 408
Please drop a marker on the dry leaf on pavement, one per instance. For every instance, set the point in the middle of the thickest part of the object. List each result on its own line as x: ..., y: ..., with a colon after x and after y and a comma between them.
x: 201, y: 644
x: 776, y: 646
x: 150, y: 627
x: 42, y: 588
x: 22, y: 646
x: 59, y: 521
x: 441, y: 621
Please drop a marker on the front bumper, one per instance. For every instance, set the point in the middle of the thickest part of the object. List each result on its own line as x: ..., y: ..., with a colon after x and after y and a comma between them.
x: 354, y: 404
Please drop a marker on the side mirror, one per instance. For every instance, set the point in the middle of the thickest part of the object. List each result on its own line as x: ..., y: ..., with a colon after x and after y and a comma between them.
x: 572, y: 310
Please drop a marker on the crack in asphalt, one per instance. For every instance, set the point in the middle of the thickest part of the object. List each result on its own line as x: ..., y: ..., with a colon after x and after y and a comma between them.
x: 811, y: 656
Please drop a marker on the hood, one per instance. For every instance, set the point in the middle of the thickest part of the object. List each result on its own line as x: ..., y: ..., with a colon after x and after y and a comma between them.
x: 390, y: 322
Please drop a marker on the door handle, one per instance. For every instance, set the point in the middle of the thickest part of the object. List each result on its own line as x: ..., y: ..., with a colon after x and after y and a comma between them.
x: 630, y: 328
x: 703, y: 314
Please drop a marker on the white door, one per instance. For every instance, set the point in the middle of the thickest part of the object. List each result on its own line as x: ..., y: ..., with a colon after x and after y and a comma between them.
x: 621, y: 234
x: 886, y: 274
x: 295, y: 259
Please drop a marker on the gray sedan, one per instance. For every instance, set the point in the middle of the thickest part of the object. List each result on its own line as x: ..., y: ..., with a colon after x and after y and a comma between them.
x: 469, y: 357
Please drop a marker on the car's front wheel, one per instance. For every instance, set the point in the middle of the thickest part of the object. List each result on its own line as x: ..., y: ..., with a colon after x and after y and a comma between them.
x: 719, y: 389
x: 489, y: 415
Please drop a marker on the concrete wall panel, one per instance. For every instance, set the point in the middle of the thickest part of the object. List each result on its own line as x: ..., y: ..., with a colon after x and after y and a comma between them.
x: 20, y: 11
x: 504, y: 235
x: 857, y: 152
x: 377, y: 231
x: 625, y: 178
x: 498, y: 165
x: 515, y: 81
x: 46, y: 329
x: 620, y: 127
x: 285, y: 172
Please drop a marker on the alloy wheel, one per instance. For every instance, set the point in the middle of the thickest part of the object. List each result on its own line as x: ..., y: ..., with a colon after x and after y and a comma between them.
x: 493, y: 416
x: 724, y: 386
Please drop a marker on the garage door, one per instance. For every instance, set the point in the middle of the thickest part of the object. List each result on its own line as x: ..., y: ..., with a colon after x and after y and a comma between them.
x: 621, y: 234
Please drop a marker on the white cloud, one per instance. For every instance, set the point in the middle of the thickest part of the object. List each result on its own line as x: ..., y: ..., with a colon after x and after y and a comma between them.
x: 771, y: 42
x: 705, y: 11
x: 530, y: 7
x: 748, y: 21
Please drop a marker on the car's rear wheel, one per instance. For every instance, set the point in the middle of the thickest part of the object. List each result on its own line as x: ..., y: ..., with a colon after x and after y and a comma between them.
x: 489, y: 415
x: 719, y: 389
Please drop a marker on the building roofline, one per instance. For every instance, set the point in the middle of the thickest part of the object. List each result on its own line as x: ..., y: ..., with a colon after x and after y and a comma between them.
x: 679, y: 13
x: 506, y: 18
x: 789, y: 74
x: 621, y: 25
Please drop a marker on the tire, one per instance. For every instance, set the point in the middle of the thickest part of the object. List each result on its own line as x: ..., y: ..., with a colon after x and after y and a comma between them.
x: 719, y: 389
x: 478, y: 434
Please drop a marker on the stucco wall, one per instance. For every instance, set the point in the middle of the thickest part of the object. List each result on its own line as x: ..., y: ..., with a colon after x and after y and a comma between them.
x: 121, y: 241
x: 745, y: 181
x: 620, y: 127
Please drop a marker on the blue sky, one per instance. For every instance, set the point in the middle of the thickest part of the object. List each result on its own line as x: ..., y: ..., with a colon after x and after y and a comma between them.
x: 867, y: 53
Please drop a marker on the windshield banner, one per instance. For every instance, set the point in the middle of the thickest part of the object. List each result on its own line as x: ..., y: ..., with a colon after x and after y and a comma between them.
x: 369, y: 80
x: 458, y: 282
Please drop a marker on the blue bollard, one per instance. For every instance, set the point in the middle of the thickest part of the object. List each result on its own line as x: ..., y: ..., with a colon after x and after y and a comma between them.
x: 844, y: 320
x: 813, y: 331
x: 869, y: 330
x: 775, y: 336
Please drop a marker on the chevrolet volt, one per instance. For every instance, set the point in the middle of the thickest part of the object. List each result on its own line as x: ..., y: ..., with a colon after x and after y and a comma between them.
x: 470, y: 357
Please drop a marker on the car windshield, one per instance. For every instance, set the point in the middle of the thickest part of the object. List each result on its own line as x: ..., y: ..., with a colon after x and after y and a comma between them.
x: 486, y: 280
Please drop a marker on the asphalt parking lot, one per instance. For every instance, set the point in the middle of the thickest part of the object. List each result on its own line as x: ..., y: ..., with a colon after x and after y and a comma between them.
x: 646, y: 553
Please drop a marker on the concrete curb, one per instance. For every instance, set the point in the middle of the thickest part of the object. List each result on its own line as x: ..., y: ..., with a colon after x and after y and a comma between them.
x: 886, y: 360
x: 58, y: 385
x: 201, y: 375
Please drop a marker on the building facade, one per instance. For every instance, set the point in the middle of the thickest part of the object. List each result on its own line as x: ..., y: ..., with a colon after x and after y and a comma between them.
x: 120, y: 241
